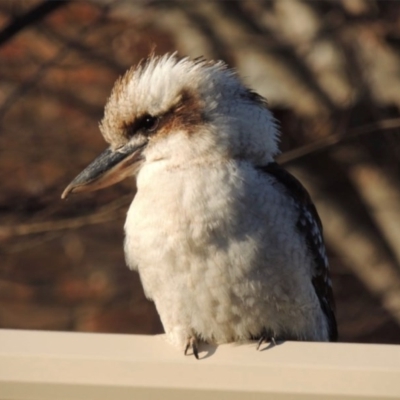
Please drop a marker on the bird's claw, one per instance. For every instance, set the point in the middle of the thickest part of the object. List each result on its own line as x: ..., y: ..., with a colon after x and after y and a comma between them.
x: 265, y: 339
x: 192, y: 344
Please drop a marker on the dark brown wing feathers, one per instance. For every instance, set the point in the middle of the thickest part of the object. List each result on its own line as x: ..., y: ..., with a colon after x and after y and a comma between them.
x: 309, y: 224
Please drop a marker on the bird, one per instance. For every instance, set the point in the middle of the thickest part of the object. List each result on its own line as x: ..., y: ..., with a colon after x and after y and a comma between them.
x: 227, y: 243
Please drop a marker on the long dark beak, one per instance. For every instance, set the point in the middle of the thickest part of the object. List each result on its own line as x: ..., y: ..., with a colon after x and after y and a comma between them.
x: 108, y: 168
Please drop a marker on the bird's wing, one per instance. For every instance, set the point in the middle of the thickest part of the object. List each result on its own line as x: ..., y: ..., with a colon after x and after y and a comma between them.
x: 309, y: 225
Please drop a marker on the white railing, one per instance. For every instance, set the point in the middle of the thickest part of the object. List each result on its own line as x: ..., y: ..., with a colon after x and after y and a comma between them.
x: 61, y: 365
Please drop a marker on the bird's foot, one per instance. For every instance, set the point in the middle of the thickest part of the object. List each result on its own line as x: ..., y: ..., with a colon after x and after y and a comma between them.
x: 266, y: 339
x: 192, y: 343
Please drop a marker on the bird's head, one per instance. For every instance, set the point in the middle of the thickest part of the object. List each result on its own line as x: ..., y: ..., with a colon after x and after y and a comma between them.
x: 178, y: 110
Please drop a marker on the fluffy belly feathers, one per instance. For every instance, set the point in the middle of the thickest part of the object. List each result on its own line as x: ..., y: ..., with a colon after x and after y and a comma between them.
x: 219, y: 264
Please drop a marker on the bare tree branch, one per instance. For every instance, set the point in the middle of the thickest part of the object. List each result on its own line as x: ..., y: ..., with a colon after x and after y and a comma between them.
x: 41, y: 72
x: 332, y: 140
x: 35, y: 14
x: 110, y: 212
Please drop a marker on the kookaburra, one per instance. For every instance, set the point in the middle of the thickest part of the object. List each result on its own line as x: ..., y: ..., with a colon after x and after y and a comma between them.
x: 227, y: 244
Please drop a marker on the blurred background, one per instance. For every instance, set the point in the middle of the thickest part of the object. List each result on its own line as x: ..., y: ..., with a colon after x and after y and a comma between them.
x: 331, y: 73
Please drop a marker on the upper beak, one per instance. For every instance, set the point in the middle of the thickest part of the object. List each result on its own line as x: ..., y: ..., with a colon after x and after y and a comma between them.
x: 108, y: 168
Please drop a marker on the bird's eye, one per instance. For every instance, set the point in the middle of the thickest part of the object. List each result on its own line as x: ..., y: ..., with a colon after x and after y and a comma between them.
x: 148, y: 123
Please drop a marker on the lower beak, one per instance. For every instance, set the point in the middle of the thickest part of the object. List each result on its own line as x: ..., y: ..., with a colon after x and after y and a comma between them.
x: 108, y: 168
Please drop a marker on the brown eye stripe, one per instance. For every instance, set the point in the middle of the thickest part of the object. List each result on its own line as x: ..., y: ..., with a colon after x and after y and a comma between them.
x: 186, y: 114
